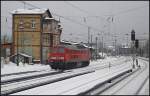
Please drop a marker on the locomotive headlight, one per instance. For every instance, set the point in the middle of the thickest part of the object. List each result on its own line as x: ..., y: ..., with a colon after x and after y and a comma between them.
x: 61, y: 57
x: 53, y: 57
x: 57, y: 57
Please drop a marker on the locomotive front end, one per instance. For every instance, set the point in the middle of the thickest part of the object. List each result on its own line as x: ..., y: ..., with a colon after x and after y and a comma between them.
x: 56, y: 57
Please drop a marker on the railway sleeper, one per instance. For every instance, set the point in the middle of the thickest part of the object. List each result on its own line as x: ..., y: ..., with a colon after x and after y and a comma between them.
x: 103, y: 86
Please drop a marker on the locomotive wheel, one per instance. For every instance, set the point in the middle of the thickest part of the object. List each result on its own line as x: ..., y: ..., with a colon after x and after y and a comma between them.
x: 70, y: 65
x: 79, y: 64
x: 85, y: 63
x: 64, y: 66
x: 53, y: 67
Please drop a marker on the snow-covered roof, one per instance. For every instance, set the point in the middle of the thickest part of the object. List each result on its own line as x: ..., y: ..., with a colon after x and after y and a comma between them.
x: 29, y: 11
x: 75, y: 43
x: 70, y: 42
x: 25, y: 55
x: 85, y: 45
x: 100, y: 53
x: 49, y: 18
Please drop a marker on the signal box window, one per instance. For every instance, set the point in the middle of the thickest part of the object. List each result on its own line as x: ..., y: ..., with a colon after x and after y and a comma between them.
x: 21, y: 24
x: 33, y: 24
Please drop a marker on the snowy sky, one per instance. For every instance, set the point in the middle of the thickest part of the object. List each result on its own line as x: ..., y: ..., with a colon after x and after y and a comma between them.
x: 128, y: 15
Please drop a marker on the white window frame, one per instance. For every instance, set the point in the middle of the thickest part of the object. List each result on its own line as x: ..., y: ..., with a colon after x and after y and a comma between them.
x: 33, y: 24
x: 21, y: 24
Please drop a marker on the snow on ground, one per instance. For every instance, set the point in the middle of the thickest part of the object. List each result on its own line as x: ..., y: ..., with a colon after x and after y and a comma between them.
x: 107, y: 60
x: 145, y: 89
x: 12, y: 68
x: 102, y: 54
x: 136, y: 83
x: 59, y: 88
x: 69, y: 86
x: 130, y: 85
x: 74, y: 85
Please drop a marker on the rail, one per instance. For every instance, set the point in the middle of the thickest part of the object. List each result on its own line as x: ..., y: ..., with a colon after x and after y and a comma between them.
x: 104, y: 82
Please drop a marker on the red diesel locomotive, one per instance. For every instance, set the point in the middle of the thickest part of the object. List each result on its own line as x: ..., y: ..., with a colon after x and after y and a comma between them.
x: 69, y: 56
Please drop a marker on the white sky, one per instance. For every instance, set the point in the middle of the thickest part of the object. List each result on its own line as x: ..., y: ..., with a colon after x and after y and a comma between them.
x: 124, y: 19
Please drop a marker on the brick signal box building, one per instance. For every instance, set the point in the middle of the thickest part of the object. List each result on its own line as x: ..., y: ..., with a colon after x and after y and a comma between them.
x: 34, y: 32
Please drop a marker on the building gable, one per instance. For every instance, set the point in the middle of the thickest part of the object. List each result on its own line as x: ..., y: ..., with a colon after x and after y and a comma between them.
x: 49, y: 13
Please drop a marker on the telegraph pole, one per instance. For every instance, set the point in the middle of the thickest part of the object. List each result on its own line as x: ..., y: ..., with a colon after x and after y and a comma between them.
x: 88, y: 35
x: 96, y: 48
x: 24, y: 3
x: 91, y: 40
x: 127, y: 43
x: 17, y: 45
x: 127, y: 38
x: 91, y: 48
x: 115, y: 45
x: 102, y: 46
x: 99, y: 42
x: 133, y: 47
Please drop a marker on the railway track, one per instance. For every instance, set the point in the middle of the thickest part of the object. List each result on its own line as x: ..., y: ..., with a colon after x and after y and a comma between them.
x: 27, y: 84
x: 83, y: 82
x: 12, y: 78
x: 10, y: 74
x: 9, y: 86
x: 112, y: 88
x: 4, y: 82
x: 132, y: 80
x: 115, y: 74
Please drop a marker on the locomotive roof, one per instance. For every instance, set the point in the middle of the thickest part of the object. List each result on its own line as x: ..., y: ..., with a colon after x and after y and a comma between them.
x: 64, y: 42
x: 74, y: 46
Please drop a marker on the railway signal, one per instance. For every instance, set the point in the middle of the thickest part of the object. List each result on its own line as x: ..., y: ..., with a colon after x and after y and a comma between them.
x: 133, y: 47
x: 136, y: 43
x: 132, y: 35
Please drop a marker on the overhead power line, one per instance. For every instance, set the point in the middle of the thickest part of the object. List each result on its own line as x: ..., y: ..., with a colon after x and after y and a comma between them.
x: 82, y: 10
x: 77, y: 22
x: 119, y: 13
x: 76, y: 7
x: 30, y: 4
x: 129, y: 10
x: 74, y: 21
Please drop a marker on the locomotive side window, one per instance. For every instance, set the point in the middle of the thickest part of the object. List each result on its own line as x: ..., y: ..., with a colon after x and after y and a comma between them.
x: 54, y: 50
x: 61, y: 50
x: 58, y: 50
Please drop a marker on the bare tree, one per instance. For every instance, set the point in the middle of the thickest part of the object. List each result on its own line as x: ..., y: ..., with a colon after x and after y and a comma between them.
x: 4, y: 39
x: 146, y: 48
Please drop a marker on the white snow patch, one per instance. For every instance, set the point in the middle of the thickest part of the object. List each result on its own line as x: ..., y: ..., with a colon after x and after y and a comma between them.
x: 69, y: 86
x: 29, y: 11
x: 13, y: 68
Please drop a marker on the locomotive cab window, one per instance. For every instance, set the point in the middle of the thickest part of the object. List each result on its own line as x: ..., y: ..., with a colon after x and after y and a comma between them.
x: 61, y: 50
x: 54, y: 50
x: 57, y: 50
